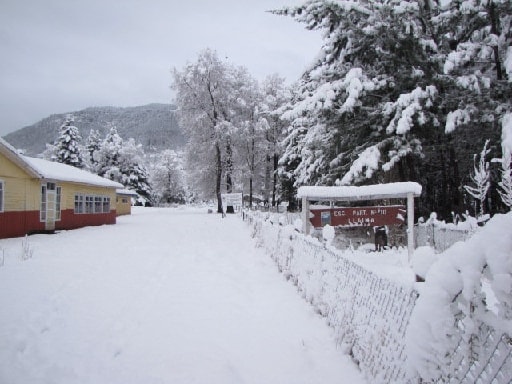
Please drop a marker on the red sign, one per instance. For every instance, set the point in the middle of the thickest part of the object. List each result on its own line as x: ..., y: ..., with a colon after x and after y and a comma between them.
x: 358, y: 216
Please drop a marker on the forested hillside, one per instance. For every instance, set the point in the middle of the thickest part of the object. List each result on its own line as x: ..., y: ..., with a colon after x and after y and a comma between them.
x: 153, y: 125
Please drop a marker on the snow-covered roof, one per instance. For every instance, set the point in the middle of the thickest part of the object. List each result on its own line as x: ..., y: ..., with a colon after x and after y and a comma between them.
x: 62, y: 172
x: 45, y: 169
x: 365, y: 192
x: 124, y: 191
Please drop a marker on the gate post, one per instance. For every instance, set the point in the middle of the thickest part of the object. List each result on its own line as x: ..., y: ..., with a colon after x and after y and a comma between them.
x: 305, y: 216
x: 410, y: 226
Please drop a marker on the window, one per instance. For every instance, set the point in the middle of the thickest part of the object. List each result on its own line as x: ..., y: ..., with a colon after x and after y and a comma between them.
x: 106, y: 204
x: 42, y: 212
x: 57, y: 203
x: 91, y: 204
x: 79, y: 204
x: 97, y: 204
x: 1, y: 196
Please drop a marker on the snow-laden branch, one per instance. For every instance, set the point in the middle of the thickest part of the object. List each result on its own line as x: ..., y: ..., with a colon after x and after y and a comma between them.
x: 407, y: 107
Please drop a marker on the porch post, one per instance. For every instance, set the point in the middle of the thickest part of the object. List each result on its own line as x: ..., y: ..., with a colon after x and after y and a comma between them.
x: 305, y: 215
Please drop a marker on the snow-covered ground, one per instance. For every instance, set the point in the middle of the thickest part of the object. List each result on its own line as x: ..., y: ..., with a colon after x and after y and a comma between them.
x: 164, y: 296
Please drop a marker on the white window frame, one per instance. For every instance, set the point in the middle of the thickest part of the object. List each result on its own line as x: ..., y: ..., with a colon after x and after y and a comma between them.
x: 79, y: 203
x: 58, y: 203
x: 106, y: 204
x: 43, y: 202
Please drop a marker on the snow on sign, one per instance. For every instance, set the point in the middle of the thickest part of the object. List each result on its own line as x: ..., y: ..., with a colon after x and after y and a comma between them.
x: 358, y: 216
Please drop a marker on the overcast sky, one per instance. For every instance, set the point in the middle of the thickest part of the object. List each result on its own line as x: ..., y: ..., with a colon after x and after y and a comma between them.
x: 65, y: 55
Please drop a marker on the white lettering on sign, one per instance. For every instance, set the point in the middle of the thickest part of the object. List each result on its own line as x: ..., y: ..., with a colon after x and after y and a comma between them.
x: 339, y: 213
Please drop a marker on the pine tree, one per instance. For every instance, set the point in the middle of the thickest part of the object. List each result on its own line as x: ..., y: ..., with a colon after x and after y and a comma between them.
x: 393, y: 82
x: 92, y: 146
x: 66, y: 148
x: 108, y: 155
x: 132, y: 173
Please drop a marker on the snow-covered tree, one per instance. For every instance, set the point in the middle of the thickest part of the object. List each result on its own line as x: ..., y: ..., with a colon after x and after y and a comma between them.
x: 506, y: 161
x: 66, y: 148
x: 133, y: 174
x: 108, y: 156
x: 390, y: 86
x: 274, y: 96
x: 92, y: 145
x: 480, y: 178
x: 168, y: 179
x: 206, y: 96
x: 123, y: 161
x: 368, y: 92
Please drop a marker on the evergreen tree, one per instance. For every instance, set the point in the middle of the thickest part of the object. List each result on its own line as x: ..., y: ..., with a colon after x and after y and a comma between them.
x: 92, y: 146
x: 393, y: 81
x: 66, y: 148
x: 108, y: 155
x: 132, y: 173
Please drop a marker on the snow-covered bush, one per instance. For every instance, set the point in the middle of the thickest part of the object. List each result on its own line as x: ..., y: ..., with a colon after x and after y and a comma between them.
x: 455, y: 301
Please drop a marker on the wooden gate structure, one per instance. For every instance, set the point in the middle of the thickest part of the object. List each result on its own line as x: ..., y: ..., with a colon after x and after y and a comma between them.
x: 404, y: 190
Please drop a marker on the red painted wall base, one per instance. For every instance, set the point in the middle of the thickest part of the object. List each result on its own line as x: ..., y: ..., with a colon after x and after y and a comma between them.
x: 15, y: 224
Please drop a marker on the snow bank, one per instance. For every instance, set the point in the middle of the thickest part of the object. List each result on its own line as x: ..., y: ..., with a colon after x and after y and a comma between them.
x: 453, y: 308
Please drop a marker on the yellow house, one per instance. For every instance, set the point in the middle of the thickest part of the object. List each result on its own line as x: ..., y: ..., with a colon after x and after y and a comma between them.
x: 42, y: 196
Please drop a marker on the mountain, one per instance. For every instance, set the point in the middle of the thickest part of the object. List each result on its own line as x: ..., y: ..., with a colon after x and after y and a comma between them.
x: 155, y: 126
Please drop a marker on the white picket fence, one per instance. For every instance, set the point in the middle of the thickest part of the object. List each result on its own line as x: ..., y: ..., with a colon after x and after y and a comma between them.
x: 369, y: 313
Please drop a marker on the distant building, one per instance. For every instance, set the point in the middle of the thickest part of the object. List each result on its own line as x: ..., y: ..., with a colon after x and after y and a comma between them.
x: 43, y: 196
x: 124, y: 201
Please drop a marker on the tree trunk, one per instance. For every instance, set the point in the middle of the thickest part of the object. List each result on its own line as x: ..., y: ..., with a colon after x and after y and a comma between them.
x: 274, y: 184
x: 494, y: 19
x: 218, y: 180
x: 250, y: 192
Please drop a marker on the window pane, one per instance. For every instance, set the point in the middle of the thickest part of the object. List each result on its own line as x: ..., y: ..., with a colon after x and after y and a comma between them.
x: 42, y: 212
x: 57, y: 203
x: 89, y: 204
x: 106, y: 205
x: 97, y: 204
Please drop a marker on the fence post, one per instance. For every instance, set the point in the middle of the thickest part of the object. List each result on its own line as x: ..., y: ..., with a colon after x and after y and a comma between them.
x: 305, y: 216
x: 410, y: 226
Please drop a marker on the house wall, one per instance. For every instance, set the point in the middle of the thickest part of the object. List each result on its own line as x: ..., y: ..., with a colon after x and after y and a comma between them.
x: 22, y: 202
x: 123, y: 205
x: 70, y: 220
